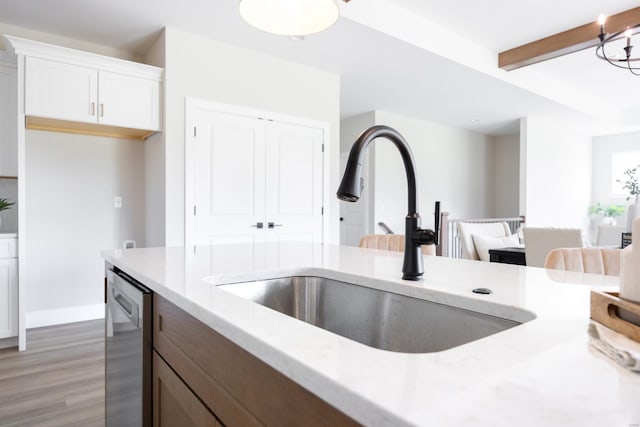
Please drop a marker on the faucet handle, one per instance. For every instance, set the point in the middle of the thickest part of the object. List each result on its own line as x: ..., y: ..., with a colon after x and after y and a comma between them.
x: 437, y: 224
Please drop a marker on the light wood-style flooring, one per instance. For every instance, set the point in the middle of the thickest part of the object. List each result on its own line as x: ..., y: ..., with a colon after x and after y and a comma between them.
x: 58, y: 380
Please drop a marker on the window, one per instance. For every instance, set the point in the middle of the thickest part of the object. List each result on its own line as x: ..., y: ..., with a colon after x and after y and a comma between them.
x: 620, y: 162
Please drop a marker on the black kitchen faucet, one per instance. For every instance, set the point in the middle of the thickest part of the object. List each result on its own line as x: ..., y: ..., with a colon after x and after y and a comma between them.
x: 352, y: 185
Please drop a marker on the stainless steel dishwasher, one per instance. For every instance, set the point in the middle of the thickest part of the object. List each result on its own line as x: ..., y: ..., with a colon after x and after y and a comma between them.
x: 128, y: 346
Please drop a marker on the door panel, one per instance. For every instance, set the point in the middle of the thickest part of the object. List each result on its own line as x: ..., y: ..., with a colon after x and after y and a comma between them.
x: 229, y: 183
x: 294, y: 182
x: 233, y: 179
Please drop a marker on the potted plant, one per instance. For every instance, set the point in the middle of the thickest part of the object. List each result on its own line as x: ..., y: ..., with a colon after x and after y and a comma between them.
x: 631, y: 184
x: 596, y: 210
x: 4, y: 205
x: 611, y: 212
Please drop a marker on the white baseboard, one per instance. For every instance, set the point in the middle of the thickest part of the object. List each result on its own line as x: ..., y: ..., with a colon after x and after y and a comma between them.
x: 58, y: 316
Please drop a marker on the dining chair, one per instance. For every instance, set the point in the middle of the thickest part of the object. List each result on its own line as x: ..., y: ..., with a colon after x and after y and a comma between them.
x: 538, y: 242
x: 604, y: 261
x: 391, y: 242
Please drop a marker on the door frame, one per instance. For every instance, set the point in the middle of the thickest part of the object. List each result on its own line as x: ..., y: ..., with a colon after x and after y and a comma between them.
x: 194, y: 105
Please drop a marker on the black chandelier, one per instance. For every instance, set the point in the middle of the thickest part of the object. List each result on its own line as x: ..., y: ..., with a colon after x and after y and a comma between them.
x: 625, y: 61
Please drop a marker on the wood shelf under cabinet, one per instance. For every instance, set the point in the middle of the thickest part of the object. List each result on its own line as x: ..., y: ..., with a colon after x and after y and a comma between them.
x: 55, y: 125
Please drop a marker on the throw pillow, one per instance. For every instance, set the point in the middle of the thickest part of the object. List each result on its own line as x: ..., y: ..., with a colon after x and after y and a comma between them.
x: 484, y: 243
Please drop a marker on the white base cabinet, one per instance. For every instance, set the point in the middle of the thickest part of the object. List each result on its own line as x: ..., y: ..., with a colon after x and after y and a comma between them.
x: 8, y: 288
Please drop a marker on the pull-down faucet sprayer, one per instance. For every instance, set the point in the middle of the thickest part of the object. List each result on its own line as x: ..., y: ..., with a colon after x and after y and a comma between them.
x: 351, y: 188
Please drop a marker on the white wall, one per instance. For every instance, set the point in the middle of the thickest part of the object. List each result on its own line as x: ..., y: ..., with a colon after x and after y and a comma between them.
x: 207, y: 69
x: 603, y: 149
x: 63, y: 41
x: 71, y: 184
x: 356, y: 216
x: 9, y: 190
x: 506, y: 175
x: 454, y: 166
x: 154, y: 164
x: 557, y: 173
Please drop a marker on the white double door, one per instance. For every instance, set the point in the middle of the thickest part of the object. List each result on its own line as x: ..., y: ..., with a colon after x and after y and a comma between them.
x: 256, y: 180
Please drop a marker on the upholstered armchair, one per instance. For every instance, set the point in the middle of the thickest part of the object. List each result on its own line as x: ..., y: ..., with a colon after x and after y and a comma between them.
x: 466, y: 231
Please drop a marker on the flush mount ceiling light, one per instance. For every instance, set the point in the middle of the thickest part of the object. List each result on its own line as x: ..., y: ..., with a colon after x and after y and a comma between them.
x: 623, y: 58
x: 290, y: 17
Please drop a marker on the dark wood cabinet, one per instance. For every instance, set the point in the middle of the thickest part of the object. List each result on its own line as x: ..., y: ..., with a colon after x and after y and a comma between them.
x: 232, y: 384
x: 173, y: 403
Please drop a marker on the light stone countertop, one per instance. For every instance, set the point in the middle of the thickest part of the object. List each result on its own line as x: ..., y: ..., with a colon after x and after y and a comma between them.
x: 540, y: 373
x: 8, y: 235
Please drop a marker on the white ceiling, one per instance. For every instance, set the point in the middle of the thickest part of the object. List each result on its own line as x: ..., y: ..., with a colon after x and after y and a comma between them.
x: 424, y: 58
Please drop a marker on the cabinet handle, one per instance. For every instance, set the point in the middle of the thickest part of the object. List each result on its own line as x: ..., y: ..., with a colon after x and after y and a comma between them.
x: 93, y: 108
x: 101, y: 110
x: 258, y: 225
x: 272, y: 225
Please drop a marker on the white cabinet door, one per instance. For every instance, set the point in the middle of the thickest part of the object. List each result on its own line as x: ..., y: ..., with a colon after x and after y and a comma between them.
x: 60, y: 91
x: 294, y: 182
x: 229, y: 179
x: 8, y: 297
x: 8, y: 122
x: 128, y: 101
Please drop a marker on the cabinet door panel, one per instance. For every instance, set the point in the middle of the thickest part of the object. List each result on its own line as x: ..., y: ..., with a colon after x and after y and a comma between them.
x: 60, y: 91
x: 173, y: 403
x: 129, y: 102
x: 8, y: 298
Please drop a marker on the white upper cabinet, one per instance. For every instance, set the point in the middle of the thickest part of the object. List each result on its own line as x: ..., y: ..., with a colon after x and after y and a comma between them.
x: 128, y: 101
x: 67, y: 89
x: 60, y: 91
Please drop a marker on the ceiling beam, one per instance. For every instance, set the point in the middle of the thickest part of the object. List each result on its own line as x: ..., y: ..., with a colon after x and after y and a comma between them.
x: 570, y: 41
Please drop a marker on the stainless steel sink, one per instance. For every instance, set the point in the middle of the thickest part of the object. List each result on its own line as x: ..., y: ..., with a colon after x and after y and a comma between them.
x: 376, y: 318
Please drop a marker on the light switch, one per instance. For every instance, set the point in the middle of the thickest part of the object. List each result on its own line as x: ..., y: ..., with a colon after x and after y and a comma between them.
x: 117, y: 202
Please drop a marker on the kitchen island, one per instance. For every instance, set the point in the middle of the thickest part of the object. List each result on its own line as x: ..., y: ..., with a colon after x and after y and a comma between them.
x: 541, y: 372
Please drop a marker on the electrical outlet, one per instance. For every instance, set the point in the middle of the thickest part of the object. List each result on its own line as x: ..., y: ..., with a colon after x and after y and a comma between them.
x: 117, y: 202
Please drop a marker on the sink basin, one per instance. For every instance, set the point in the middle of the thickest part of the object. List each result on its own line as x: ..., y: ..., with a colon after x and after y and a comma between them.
x: 372, y: 317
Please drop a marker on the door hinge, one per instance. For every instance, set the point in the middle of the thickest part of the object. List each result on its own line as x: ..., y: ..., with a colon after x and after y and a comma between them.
x: 322, y: 210
x: 195, y: 132
x: 323, y: 148
x: 194, y: 209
